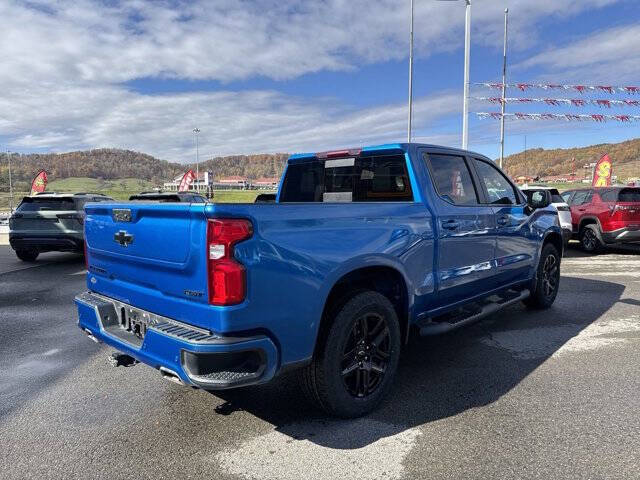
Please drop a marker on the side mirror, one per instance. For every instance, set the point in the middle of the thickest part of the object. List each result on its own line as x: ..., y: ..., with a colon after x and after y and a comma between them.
x: 539, y: 199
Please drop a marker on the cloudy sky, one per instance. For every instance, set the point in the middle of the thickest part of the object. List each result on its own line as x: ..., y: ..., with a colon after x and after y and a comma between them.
x: 287, y: 76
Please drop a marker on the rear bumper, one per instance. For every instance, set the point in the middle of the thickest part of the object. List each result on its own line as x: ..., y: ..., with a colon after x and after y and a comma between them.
x: 47, y: 242
x: 195, y: 356
x: 622, y: 235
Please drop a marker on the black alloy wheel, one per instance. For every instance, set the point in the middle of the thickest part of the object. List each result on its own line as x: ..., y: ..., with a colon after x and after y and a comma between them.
x: 550, y: 275
x: 356, y: 356
x: 589, y: 240
x: 366, y: 355
x: 546, y: 282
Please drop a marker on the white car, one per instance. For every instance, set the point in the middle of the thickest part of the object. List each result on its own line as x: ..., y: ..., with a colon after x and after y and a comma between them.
x: 564, y: 212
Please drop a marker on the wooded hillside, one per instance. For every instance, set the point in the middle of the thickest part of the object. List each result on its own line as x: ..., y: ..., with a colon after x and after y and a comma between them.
x: 625, y: 157
x: 111, y: 163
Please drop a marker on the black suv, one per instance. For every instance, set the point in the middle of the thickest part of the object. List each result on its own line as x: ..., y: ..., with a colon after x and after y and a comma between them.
x: 50, y: 222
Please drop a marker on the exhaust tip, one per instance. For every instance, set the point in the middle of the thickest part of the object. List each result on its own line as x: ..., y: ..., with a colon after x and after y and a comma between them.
x: 171, y: 376
x: 90, y: 335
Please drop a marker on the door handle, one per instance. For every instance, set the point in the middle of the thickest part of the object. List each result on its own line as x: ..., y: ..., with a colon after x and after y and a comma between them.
x: 503, y: 220
x: 450, y: 224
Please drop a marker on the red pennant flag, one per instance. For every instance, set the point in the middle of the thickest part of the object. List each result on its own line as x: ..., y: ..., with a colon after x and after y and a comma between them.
x: 597, y: 117
x: 602, y: 172
x: 523, y: 86
x: 186, y: 181
x: 603, y: 103
x: 632, y: 89
x: 605, y: 88
x: 633, y: 103
x: 580, y: 88
x: 623, y: 118
x: 39, y: 183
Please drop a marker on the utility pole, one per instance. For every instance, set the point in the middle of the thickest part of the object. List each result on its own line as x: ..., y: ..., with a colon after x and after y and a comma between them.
x: 504, y: 87
x: 196, y: 131
x: 410, y: 76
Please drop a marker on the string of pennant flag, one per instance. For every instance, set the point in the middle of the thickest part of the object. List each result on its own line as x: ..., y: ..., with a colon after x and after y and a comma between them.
x: 595, y: 117
x: 578, y: 102
x: 612, y: 89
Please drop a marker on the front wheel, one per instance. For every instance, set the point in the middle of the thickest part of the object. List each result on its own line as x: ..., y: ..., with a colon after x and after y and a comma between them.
x: 356, y: 359
x: 27, y: 255
x: 547, y: 280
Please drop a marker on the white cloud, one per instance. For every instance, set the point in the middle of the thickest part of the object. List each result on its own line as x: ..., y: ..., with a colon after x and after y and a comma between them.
x: 231, y: 122
x: 609, y: 55
x: 64, y: 64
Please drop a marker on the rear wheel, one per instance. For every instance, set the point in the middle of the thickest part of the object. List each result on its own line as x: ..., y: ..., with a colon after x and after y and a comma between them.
x: 357, y: 358
x: 590, y: 239
x: 27, y: 255
x: 547, y: 279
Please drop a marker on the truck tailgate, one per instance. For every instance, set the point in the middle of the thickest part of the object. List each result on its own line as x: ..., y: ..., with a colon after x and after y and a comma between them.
x: 153, y: 248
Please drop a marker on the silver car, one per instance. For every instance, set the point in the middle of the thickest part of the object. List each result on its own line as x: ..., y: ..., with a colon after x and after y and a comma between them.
x: 564, y: 212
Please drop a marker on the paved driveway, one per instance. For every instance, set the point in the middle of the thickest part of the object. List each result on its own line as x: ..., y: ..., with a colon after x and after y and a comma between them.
x: 522, y: 394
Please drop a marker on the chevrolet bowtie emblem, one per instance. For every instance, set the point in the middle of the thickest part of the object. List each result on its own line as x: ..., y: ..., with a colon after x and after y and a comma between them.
x: 123, y: 238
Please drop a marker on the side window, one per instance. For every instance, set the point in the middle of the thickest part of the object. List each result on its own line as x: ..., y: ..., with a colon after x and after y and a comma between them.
x: 579, y: 197
x: 566, y: 197
x: 589, y: 197
x: 608, y: 195
x: 452, y: 179
x: 499, y: 189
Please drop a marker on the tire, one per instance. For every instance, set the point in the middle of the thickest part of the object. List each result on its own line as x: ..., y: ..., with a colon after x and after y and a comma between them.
x: 348, y: 378
x: 28, y: 255
x: 590, y: 239
x: 547, y: 280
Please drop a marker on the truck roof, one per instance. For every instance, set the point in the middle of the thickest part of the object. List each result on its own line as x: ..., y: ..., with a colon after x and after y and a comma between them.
x: 385, y: 147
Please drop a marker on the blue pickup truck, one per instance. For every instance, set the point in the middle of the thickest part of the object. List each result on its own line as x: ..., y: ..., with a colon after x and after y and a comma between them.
x: 361, y: 249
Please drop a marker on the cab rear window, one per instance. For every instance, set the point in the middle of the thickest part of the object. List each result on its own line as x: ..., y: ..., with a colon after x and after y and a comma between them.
x: 35, y: 204
x: 381, y: 178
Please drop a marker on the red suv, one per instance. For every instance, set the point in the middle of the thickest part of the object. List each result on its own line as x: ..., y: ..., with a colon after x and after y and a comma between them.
x: 604, y: 216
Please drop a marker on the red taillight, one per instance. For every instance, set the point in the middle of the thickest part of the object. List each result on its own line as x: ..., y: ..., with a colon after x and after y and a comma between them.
x: 226, y: 276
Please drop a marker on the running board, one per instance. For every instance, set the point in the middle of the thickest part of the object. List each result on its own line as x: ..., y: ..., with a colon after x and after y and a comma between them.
x: 436, y: 328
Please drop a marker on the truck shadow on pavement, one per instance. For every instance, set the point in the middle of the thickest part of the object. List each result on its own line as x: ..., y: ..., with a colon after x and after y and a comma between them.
x: 442, y: 376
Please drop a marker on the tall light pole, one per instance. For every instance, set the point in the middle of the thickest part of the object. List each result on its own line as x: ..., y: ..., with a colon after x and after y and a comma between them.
x: 10, y: 184
x: 504, y: 87
x: 196, y: 131
x: 410, y: 76
x: 467, y: 55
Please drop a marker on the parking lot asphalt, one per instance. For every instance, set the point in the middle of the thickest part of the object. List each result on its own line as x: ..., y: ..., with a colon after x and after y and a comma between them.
x: 522, y: 394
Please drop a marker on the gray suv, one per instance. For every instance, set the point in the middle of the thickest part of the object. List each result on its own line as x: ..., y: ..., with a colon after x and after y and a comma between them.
x: 50, y: 222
